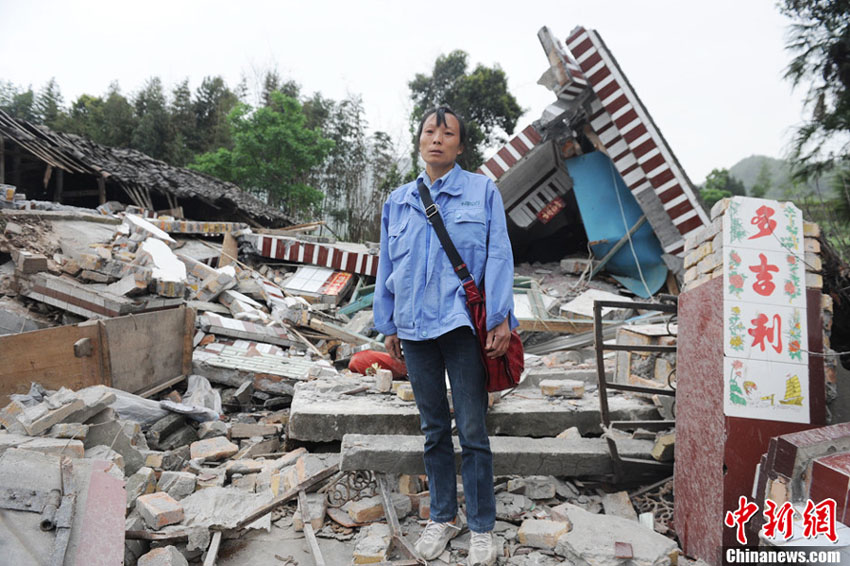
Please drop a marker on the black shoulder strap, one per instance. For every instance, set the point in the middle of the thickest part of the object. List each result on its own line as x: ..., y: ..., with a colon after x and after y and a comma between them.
x: 436, y: 220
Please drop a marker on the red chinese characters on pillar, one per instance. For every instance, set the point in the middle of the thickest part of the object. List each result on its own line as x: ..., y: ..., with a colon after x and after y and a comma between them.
x: 780, y: 520
x: 764, y: 284
x: 740, y: 516
x: 819, y: 519
x: 763, y: 222
x: 761, y: 332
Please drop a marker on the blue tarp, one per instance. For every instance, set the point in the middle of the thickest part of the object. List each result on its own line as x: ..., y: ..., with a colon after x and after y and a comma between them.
x: 608, y: 210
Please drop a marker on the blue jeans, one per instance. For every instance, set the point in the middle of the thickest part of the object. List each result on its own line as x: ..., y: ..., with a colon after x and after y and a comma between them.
x: 427, y: 361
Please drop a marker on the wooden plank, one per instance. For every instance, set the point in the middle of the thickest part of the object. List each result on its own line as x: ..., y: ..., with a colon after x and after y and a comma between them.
x: 312, y: 542
x: 146, y: 349
x: 47, y: 357
x: 288, y: 495
x: 554, y: 325
x: 229, y: 250
x: 105, y: 365
x: 212, y: 551
x: 188, y: 340
x: 101, y: 189
x: 161, y: 386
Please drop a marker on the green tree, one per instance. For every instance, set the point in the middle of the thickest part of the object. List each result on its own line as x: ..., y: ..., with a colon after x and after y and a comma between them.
x: 719, y: 184
x: 116, y: 120
x: 481, y: 97
x: 272, y: 153
x: 48, y: 104
x: 18, y: 103
x: 153, y: 134
x: 763, y: 182
x: 82, y: 117
x: 820, y: 42
x: 182, y: 115
x: 213, y: 103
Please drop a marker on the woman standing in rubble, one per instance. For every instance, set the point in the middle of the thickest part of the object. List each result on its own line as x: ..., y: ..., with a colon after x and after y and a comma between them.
x: 420, y: 306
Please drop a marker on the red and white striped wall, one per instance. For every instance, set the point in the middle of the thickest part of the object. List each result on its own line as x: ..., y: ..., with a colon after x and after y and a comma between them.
x: 324, y: 255
x: 640, y: 153
x: 512, y: 152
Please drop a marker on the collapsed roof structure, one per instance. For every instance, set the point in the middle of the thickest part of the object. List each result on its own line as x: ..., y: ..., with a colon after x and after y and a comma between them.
x: 596, y: 110
x: 74, y: 170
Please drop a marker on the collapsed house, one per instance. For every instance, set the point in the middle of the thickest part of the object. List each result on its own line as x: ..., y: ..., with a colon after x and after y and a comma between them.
x: 177, y: 389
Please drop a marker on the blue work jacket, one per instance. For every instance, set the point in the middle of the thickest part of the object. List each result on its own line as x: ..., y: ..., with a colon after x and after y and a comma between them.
x: 417, y: 294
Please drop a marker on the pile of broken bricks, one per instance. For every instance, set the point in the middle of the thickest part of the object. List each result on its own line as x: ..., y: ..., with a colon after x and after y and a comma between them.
x: 210, y: 476
x: 193, y: 487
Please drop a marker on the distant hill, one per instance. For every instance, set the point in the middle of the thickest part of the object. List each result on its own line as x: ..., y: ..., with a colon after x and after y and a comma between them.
x: 748, y: 169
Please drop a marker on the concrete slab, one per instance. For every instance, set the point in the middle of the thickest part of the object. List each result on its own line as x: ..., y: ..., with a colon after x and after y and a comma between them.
x: 511, y: 455
x: 97, y: 534
x: 320, y: 412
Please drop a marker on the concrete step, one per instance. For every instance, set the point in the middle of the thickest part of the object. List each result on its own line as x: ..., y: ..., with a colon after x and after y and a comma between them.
x: 512, y: 455
x: 322, y: 413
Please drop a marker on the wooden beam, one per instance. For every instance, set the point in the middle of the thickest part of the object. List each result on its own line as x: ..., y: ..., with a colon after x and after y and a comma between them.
x: 16, y: 163
x: 287, y: 495
x: 101, y: 189
x: 618, y: 245
x: 48, y: 172
x: 212, y: 551
x: 60, y: 185
x: 312, y: 542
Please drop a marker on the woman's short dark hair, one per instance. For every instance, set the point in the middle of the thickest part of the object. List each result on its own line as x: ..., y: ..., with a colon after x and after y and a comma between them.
x: 441, y: 112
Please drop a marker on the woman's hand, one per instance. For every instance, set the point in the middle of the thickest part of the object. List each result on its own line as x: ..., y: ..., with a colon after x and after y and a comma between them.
x: 393, y: 345
x: 499, y: 339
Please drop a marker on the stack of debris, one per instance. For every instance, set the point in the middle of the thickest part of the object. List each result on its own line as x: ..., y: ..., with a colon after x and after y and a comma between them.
x: 206, y: 414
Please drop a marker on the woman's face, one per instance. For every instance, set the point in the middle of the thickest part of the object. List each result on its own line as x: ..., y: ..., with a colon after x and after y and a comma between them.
x: 440, y: 145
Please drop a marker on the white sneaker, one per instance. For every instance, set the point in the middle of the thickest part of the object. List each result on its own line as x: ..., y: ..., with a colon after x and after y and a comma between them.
x: 482, y: 549
x: 435, y: 537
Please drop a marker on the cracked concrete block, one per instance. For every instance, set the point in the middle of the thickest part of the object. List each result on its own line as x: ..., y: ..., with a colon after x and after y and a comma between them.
x: 317, y: 505
x: 181, y: 437
x: 138, y: 484
x: 664, y: 448
x: 408, y: 484
x: 153, y: 458
x: 53, y: 416
x: 568, y: 388
x: 216, y: 448
x: 97, y: 398
x: 592, y: 540
x: 405, y: 392
x: 371, y: 509
x: 534, y: 487
x: 163, y: 428
x: 163, y: 556
x: 118, y: 436
x: 177, y: 484
x: 212, y: 429
x: 247, y: 482
x: 250, y: 430
x: 373, y: 544
x: 619, y: 504
x: 69, y: 430
x: 54, y: 446
x: 107, y: 454
x: 571, y: 433
x: 159, y: 509
x: 383, y: 380
x: 511, y: 506
x: 244, y: 467
x: 542, y: 533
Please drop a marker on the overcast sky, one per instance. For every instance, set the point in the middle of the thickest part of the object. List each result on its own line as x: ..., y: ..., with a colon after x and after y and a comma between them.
x: 710, y: 73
